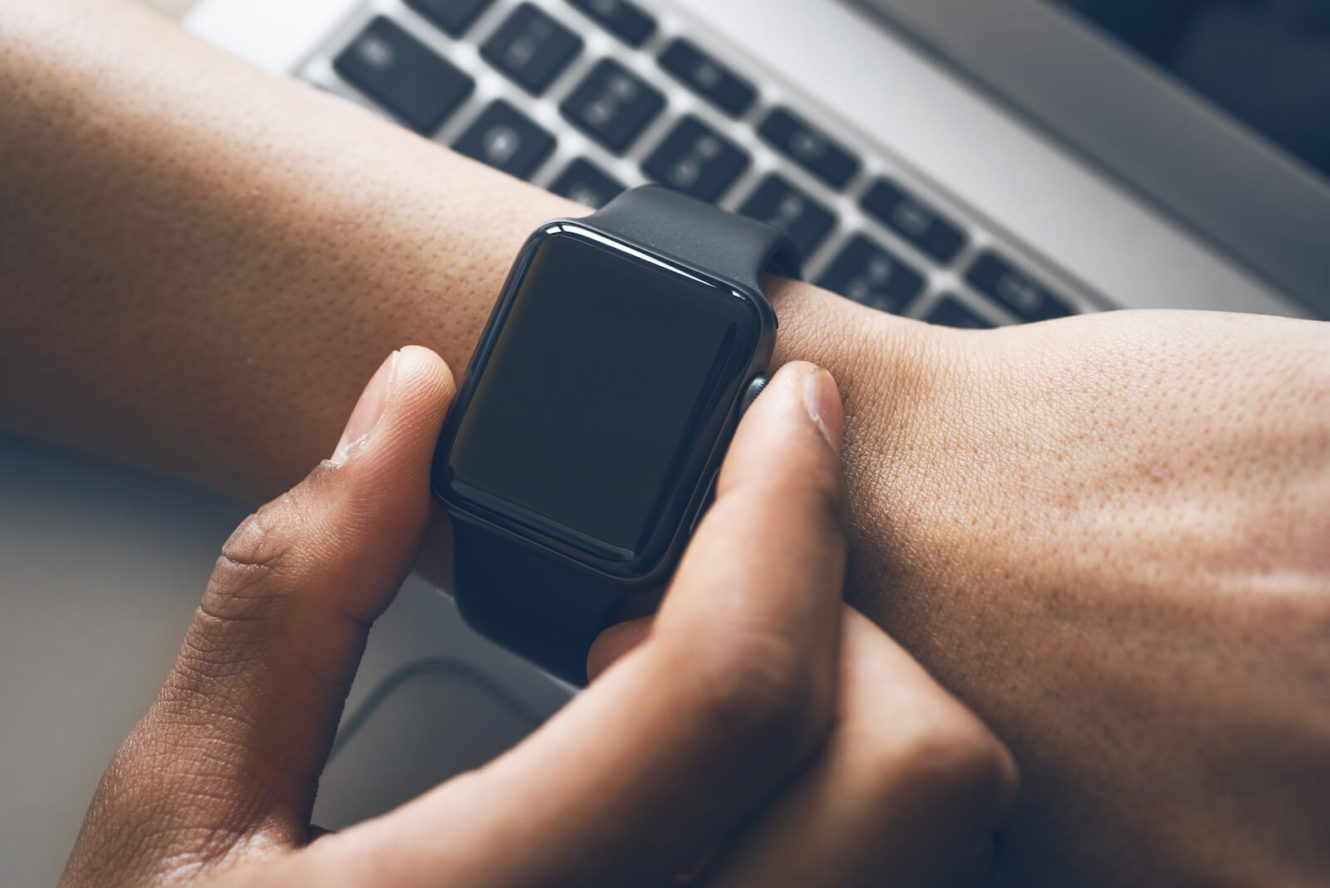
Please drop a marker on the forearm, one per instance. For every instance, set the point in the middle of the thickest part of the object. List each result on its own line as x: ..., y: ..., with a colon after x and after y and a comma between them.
x: 1105, y: 534
x: 190, y: 247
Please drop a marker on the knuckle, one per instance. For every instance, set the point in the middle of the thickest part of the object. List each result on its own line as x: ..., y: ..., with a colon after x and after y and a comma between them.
x: 259, y: 556
x: 258, y: 549
x: 758, y: 693
x: 260, y: 540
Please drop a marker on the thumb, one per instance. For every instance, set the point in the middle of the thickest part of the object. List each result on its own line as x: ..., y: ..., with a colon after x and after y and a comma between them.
x: 227, y: 759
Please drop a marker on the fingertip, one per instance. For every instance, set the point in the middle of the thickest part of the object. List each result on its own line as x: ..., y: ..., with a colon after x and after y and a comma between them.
x: 386, y: 474
x: 614, y: 643
x: 412, y: 385
x: 420, y: 390
x: 794, y: 427
x: 823, y: 403
x: 426, y: 359
x: 423, y: 375
x: 801, y: 395
x: 367, y: 415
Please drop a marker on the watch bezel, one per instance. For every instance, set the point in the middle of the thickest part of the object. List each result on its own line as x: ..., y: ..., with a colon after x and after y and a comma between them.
x: 679, y: 511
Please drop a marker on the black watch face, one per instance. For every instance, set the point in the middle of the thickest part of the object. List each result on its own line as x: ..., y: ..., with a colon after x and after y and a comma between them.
x: 598, y: 393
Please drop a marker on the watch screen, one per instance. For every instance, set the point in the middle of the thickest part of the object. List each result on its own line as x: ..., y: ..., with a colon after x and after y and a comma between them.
x: 589, y: 403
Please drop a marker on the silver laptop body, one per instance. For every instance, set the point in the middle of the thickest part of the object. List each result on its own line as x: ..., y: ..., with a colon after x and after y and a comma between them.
x: 1081, y: 170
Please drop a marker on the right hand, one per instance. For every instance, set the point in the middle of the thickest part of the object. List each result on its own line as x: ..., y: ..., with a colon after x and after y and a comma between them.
x: 758, y: 727
x: 760, y: 731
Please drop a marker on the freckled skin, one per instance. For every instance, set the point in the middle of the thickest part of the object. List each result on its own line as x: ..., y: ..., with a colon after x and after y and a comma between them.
x: 1110, y: 536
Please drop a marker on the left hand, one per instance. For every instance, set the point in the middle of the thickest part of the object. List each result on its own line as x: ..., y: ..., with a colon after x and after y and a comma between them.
x: 1110, y: 536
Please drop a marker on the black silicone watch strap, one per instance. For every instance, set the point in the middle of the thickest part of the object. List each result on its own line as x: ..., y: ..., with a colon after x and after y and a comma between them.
x: 546, y: 609
x: 722, y: 243
x: 537, y: 604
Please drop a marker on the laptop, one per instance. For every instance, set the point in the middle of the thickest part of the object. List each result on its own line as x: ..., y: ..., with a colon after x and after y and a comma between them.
x: 973, y: 163
x: 968, y: 163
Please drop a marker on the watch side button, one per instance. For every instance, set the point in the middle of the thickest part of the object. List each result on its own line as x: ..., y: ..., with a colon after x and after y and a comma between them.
x: 754, y: 389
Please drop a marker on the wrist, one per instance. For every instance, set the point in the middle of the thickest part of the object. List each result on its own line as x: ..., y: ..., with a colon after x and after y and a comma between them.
x: 890, y: 372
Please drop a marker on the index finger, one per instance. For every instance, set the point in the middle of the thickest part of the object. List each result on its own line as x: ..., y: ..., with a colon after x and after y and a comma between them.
x: 761, y: 583
x: 674, y: 745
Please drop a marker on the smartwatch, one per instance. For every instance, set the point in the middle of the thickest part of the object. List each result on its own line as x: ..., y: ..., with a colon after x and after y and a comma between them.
x: 591, y: 421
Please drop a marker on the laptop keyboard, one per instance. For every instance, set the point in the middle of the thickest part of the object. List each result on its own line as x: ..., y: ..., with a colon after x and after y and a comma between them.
x: 588, y: 97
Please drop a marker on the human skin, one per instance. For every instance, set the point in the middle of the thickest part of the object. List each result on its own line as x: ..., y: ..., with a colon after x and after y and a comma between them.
x: 1109, y: 536
x: 829, y: 757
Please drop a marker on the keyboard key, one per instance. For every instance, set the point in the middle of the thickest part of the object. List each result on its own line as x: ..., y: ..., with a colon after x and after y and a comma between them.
x: 587, y: 184
x: 951, y: 312
x: 914, y: 221
x: 867, y: 273
x: 531, y: 48
x: 399, y: 72
x: 453, y: 16
x: 781, y: 204
x: 809, y: 147
x: 708, y: 78
x: 504, y: 139
x: 1018, y: 292
x: 612, y: 105
x: 624, y: 20
x: 696, y: 160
